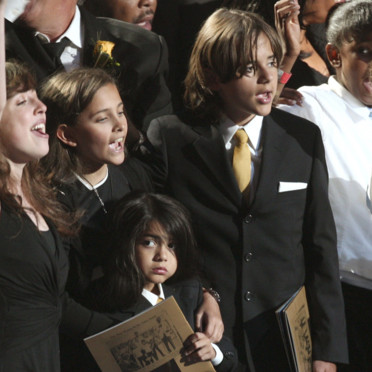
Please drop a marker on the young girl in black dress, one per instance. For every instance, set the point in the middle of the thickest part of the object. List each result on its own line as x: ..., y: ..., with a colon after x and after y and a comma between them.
x: 88, y: 128
x: 153, y: 256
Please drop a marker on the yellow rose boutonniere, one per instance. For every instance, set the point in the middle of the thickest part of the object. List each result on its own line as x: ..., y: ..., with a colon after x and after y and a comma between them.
x: 102, y: 54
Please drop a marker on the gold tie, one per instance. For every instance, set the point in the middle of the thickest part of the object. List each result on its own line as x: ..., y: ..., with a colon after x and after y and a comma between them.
x: 242, y: 160
x: 159, y: 300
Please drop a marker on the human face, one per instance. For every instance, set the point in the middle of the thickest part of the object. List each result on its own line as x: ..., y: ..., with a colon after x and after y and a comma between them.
x: 253, y: 93
x: 316, y: 11
x: 155, y: 255
x: 22, y: 128
x: 355, y: 70
x: 139, y: 12
x: 101, y: 129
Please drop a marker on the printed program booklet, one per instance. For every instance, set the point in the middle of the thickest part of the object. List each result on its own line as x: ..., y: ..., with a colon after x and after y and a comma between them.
x: 150, y: 341
x: 294, y: 323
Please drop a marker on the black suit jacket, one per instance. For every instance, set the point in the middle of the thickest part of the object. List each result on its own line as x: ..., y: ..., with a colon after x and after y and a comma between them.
x: 256, y: 257
x: 142, y: 56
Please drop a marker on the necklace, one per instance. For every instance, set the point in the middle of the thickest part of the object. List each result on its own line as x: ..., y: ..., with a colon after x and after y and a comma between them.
x: 96, y: 193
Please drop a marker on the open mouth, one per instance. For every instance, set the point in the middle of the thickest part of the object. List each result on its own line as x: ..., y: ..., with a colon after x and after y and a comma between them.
x: 145, y: 22
x: 368, y: 86
x: 39, y: 128
x: 117, y: 145
x: 265, y: 97
x: 39, y: 131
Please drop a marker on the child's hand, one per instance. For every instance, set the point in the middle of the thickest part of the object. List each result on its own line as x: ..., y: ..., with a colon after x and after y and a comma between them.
x: 290, y: 97
x: 197, y: 348
x: 208, y: 318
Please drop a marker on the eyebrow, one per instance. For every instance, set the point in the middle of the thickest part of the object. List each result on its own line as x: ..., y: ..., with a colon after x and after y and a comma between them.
x: 106, y: 109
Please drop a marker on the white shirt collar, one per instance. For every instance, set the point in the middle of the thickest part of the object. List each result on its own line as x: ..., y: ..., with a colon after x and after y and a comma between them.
x: 151, y: 297
x: 89, y: 185
x: 252, y: 128
x: 350, y: 100
x: 73, y: 33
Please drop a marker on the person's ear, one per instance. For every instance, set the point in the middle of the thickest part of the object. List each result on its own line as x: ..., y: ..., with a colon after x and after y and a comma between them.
x: 66, y: 135
x: 333, y: 55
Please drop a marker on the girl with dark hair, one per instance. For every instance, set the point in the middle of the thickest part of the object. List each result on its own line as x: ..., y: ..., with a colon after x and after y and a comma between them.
x: 136, y: 218
x: 87, y: 128
x: 153, y: 256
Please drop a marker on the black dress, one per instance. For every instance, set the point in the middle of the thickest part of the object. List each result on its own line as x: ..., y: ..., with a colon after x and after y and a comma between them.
x: 88, y: 251
x: 32, y: 280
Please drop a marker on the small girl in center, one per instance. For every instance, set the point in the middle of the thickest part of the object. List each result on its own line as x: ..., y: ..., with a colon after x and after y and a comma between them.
x: 153, y: 257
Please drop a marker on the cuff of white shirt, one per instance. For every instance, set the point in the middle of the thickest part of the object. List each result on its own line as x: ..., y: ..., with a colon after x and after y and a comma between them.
x: 217, y: 360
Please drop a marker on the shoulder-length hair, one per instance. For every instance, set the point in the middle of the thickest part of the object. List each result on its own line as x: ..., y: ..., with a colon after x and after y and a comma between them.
x: 35, y: 186
x: 224, y: 47
x: 66, y: 95
x: 133, y: 215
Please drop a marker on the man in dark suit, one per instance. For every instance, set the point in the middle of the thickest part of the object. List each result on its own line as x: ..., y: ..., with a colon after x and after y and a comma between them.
x: 266, y: 230
x: 142, y: 55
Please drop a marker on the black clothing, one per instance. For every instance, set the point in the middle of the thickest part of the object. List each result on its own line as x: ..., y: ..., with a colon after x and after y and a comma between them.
x: 32, y: 279
x: 142, y: 56
x: 257, y: 256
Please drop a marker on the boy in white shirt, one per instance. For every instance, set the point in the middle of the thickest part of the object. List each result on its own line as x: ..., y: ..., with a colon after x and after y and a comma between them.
x: 342, y: 109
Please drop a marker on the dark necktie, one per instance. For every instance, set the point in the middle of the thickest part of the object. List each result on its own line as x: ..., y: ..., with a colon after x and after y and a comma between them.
x: 55, y: 50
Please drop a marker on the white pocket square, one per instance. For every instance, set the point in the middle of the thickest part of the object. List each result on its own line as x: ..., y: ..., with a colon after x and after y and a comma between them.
x: 291, y: 186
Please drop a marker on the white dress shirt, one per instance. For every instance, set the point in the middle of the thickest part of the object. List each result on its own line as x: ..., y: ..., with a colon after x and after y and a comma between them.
x: 71, y: 56
x: 253, y: 129
x: 346, y: 128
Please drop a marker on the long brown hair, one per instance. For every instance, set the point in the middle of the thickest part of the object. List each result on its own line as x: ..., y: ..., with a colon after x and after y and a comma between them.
x: 35, y: 186
x: 224, y: 47
x: 66, y: 95
x: 133, y: 214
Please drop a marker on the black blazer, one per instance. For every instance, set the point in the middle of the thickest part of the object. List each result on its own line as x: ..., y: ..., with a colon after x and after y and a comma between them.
x: 142, y: 56
x: 256, y: 257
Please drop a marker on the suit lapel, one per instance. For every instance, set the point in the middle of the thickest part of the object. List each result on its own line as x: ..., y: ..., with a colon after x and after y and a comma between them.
x: 211, y: 150
x: 274, y: 148
x: 168, y: 290
x: 93, y: 31
x: 29, y: 49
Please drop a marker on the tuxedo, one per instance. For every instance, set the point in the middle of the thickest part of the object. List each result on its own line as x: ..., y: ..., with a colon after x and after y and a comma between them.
x: 142, y: 56
x: 257, y: 256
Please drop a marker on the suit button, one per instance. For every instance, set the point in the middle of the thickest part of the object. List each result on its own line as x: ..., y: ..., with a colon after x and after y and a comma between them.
x: 248, y: 257
x: 248, y: 218
x: 229, y: 355
x: 248, y: 296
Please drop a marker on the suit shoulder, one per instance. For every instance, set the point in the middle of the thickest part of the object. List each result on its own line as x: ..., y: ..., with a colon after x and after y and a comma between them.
x: 129, y: 32
x: 168, y: 123
x: 293, y: 123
